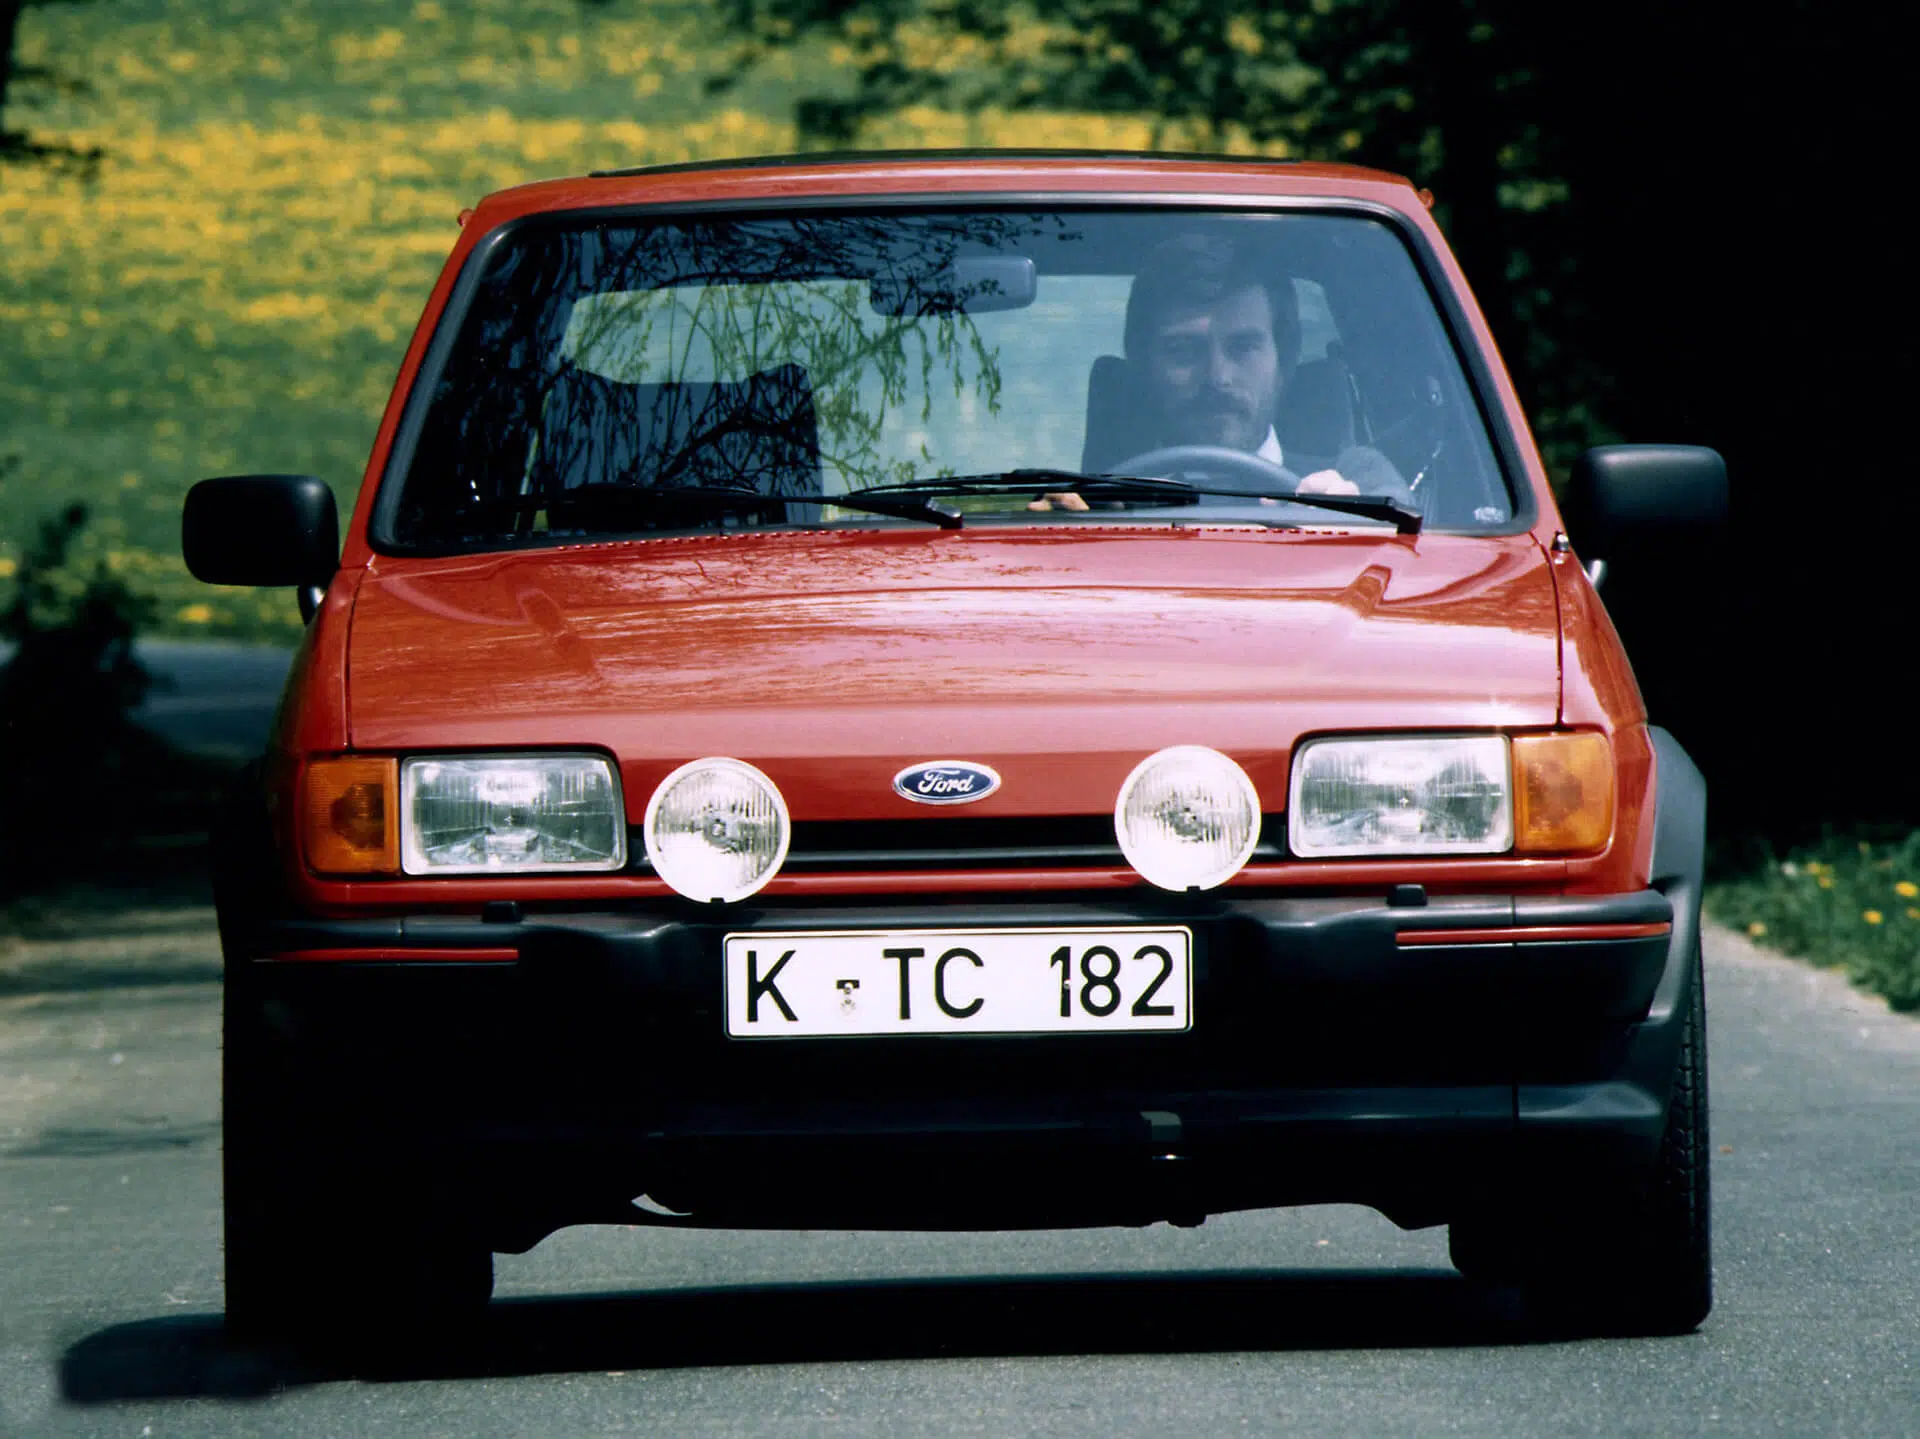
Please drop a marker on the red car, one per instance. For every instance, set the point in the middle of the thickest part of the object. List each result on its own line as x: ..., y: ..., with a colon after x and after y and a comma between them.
x: 958, y: 691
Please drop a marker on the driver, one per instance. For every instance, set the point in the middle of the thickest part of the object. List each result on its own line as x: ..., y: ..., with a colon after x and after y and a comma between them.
x: 1213, y: 342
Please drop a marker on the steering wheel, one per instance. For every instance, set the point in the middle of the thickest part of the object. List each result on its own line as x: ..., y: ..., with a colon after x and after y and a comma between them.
x: 1258, y: 475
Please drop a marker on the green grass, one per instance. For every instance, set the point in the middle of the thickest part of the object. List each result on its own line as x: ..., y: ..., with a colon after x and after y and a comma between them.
x: 1846, y: 902
x: 234, y: 290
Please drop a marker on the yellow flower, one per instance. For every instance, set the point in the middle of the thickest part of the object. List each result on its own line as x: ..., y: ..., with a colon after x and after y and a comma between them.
x: 7, y: 567
x: 1913, y: 911
x: 1756, y: 929
x: 1907, y: 889
x: 1825, y: 881
x: 1872, y: 916
x: 195, y: 614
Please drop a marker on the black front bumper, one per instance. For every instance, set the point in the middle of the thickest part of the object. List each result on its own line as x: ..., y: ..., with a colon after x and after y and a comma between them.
x: 1328, y: 1060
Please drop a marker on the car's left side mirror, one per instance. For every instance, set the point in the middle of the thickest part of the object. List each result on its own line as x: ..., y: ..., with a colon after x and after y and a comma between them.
x: 262, y: 530
x: 1621, y: 498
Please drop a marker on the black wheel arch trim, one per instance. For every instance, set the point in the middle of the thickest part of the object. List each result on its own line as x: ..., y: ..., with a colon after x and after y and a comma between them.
x: 1645, y: 1073
x: 1679, y: 863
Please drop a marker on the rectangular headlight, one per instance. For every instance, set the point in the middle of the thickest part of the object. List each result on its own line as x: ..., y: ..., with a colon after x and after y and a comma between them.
x: 511, y: 814
x: 1411, y: 795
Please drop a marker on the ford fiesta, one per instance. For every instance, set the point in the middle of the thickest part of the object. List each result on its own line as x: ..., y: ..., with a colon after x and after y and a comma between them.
x: 964, y: 692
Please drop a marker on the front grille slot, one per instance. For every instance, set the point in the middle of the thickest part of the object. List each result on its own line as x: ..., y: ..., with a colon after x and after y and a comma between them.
x: 956, y: 842
x: 950, y: 841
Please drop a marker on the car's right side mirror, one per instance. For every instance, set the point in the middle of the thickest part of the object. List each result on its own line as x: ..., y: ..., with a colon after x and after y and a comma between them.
x: 1622, y: 498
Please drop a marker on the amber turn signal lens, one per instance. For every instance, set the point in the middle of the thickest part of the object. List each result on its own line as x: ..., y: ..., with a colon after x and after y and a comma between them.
x: 1562, y: 792
x: 351, y: 819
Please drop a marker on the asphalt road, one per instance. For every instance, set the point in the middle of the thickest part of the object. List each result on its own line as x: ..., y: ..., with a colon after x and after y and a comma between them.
x: 212, y: 697
x: 1306, y: 1321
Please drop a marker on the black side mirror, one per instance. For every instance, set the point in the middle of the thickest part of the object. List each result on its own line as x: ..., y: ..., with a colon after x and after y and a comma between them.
x: 1621, y: 498
x: 262, y: 530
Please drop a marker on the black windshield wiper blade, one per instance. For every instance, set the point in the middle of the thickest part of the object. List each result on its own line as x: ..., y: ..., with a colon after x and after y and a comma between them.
x: 1404, y: 518
x: 602, y: 500
x: 905, y: 507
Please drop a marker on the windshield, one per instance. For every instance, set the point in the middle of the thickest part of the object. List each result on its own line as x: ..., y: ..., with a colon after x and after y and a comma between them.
x: 804, y: 359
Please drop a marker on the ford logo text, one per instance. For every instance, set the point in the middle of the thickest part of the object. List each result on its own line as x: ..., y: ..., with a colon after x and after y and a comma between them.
x: 952, y: 781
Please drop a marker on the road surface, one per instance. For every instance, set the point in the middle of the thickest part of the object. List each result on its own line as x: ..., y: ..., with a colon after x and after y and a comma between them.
x: 1308, y: 1321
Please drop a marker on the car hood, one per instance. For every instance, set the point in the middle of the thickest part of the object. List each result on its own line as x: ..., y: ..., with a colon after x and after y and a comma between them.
x: 1058, y: 658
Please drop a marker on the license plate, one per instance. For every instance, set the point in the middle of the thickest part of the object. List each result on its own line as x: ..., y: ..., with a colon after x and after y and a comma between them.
x: 825, y: 984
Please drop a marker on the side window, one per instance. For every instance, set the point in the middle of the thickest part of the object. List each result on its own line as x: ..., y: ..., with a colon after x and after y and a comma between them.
x: 1317, y: 331
x: 1416, y: 402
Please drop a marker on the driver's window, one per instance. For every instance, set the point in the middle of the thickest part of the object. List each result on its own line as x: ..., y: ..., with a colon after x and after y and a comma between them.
x: 1317, y: 332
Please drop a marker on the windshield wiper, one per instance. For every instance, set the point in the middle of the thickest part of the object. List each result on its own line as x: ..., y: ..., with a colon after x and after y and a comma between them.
x: 610, y: 502
x: 1404, y: 518
x: 1026, y: 482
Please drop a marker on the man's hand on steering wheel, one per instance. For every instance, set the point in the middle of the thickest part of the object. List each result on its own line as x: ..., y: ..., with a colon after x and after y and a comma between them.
x: 1215, y: 461
x: 1326, y: 482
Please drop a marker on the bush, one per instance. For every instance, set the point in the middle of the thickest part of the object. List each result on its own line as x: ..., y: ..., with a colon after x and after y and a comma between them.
x: 1847, y: 900
x: 72, y: 638
x: 81, y: 785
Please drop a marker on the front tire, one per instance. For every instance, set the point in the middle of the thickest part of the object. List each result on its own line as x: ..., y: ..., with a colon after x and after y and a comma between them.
x: 1633, y: 1257
x: 324, y: 1235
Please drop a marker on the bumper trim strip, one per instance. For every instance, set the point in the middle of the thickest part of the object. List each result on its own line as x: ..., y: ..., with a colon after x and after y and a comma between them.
x: 1552, y: 934
x: 387, y: 954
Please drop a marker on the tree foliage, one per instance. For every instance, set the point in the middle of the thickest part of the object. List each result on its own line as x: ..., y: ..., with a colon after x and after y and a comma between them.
x: 18, y: 144
x: 1450, y: 95
x: 68, y: 684
x: 87, y: 790
x: 1669, y: 214
x: 71, y: 640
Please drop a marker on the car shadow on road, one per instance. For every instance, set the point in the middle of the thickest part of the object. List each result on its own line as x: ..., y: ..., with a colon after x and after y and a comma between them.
x: 188, y: 1356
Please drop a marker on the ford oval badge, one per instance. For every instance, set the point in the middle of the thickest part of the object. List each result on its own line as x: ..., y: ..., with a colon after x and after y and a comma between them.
x: 948, y: 781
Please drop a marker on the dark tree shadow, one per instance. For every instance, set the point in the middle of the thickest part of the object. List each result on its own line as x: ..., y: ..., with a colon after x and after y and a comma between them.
x: 189, y: 1356
x: 17, y: 147
x: 165, y: 913
x: 137, y: 1137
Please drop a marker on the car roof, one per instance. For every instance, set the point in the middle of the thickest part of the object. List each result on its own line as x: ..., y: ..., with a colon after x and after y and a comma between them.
x: 999, y: 155
x: 934, y: 172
